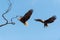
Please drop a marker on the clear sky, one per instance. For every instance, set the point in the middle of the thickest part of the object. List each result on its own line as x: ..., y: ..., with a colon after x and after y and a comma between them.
x: 42, y: 9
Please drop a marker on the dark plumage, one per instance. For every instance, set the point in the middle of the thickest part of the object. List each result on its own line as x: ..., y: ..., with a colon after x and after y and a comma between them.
x: 26, y: 17
x: 46, y: 22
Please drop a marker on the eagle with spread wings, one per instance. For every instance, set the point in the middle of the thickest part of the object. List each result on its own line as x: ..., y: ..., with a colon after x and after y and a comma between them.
x: 46, y: 22
x: 26, y: 17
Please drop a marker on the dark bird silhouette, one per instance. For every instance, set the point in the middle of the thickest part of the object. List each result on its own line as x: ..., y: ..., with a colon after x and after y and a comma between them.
x: 46, y: 22
x: 26, y: 17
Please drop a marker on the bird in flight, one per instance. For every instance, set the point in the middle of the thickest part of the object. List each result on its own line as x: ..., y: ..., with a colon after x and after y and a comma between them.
x: 46, y: 22
x: 26, y: 17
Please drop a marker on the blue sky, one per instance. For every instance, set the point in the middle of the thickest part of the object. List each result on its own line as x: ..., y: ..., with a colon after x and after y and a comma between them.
x: 42, y: 9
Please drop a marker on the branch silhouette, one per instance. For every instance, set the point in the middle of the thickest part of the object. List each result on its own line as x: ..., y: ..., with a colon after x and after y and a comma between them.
x: 9, y: 8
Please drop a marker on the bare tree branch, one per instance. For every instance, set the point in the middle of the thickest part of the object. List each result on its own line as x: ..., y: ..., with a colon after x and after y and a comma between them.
x: 9, y: 8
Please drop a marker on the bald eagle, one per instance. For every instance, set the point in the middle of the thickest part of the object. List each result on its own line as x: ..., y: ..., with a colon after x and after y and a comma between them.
x: 46, y: 22
x: 25, y: 18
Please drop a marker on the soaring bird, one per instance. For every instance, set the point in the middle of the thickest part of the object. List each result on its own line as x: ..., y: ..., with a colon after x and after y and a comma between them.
x: 46, y: 22
x: 26, y: 17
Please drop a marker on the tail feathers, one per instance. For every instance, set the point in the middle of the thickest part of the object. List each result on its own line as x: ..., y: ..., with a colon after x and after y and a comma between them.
x: 39, y: 20
x: 45, y: 24
x: 26, y: 24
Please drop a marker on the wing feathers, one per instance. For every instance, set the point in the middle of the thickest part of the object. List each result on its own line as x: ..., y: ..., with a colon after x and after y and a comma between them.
x: 39, y: 20
x: 51, y: 19
x: 27, y: 16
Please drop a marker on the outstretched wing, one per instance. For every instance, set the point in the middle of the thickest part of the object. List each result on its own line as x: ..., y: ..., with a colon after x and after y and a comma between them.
x: 27, y: 15
x: 51, y: 19
x: 39, y: 20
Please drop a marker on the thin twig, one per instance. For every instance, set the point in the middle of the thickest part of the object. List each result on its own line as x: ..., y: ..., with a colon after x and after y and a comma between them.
x: 13, y: 18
